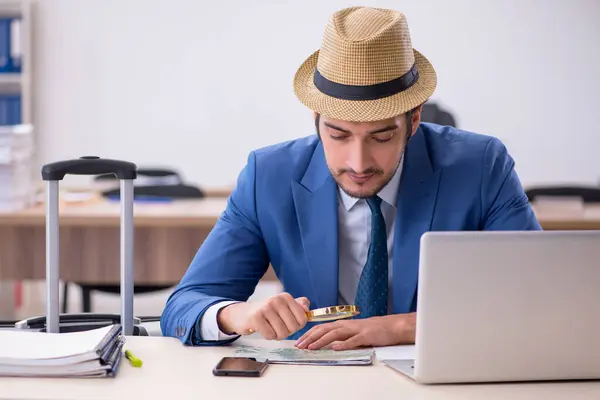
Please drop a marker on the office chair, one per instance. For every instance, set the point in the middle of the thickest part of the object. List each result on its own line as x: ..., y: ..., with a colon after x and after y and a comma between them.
x: 586, y: 193
x: 151, y: 184
x: 157, y: 192
x: 153, y: 176
x: 431, y: 112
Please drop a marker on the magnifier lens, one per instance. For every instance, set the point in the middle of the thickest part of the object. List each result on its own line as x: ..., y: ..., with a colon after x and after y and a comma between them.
x: 332, y: 313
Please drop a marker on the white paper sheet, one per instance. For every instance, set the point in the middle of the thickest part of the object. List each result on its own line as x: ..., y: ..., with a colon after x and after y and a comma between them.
x: 406, y: 352
x: 41, y: 348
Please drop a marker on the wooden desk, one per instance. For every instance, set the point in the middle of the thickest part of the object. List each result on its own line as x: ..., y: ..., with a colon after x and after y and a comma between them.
x: 167, y: 236
x: 181, y: 213
x: 173, y: 371
x: 559, y: 218
x: 218, y: 192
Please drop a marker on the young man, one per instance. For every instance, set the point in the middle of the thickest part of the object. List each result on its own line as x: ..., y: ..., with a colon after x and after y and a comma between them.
x: 339, y: 215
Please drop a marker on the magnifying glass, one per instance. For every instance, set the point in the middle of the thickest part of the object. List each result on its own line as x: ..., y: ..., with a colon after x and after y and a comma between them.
x: 329, y: 314
x: 332, y: 313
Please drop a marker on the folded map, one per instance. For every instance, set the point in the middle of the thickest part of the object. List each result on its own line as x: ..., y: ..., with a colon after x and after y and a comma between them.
x: 289, y: 355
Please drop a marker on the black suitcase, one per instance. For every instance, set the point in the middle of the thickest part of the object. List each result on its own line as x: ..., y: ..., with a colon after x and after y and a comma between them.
x: 54, y: 322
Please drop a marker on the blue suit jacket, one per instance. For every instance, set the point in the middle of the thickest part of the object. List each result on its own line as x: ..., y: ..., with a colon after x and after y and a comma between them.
x: 284, y: 212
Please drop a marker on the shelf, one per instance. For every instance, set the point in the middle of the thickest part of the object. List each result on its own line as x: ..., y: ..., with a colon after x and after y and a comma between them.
x: 22, y: 129
x: 18, y: 83
x: 12, y: 9
x: 10, y: 78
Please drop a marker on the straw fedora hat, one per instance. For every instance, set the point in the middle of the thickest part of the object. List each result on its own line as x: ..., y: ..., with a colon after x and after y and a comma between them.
x: 366, y: 69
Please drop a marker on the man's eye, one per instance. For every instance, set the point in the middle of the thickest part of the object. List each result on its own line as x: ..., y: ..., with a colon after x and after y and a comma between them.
x: 337, y: 137
x: 383, y: 137
x: 382, y: 140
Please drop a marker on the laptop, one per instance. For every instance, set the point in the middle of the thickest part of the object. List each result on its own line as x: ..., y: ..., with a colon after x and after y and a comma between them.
x: 500, y: 306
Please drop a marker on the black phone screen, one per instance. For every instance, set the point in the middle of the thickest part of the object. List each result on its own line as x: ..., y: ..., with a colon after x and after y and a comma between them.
x: 240, y: 366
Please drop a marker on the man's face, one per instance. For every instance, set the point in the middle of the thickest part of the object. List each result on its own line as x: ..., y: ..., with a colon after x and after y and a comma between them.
x: 363, y: 156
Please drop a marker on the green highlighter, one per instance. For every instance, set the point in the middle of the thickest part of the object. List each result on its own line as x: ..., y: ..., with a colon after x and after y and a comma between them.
x: 133, y: 360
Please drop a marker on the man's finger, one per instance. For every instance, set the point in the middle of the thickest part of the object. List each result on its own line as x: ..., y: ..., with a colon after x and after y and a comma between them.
x: 299, y: 314
x: 289, y: 318
x: 304, y: 302
x: 262, y: 326
x: 350, y: 343
x: 281, y: 307
x: 307, y: 334
x: 318, y: 331
x: 314, y: 334
x: 330, y: 337
x: 274, y: 319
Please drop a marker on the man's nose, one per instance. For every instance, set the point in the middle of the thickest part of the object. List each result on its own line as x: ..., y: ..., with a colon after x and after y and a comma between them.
x: 359, y: 159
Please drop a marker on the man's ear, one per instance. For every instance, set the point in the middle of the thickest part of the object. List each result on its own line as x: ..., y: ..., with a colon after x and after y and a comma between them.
x: 415, y: 118
x: 317, y: 121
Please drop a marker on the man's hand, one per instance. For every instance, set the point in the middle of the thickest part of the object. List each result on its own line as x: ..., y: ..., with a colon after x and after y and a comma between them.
x: 350, y: 334
x: 275, y: 318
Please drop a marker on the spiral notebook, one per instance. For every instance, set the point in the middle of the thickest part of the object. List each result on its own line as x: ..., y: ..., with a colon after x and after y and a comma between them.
x: 91, y: 353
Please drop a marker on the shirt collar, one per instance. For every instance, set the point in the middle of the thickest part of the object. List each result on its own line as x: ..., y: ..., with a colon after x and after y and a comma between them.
x: 388, y: 193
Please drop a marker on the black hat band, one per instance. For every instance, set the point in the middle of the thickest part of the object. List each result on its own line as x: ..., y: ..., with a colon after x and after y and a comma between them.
x: 366, y: 92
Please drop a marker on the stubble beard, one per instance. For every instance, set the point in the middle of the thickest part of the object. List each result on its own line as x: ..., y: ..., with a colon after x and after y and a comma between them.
x: 364, y: 193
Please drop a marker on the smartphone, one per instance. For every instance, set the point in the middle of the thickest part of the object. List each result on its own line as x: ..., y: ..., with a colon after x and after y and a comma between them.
x: 240, y: 366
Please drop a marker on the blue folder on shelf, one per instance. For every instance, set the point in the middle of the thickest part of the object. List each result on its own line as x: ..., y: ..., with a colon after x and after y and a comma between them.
x: 10, y: 109
x: 10, y: 45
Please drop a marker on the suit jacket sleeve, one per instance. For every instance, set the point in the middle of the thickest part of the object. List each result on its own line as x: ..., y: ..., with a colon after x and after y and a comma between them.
x: 504, y: 203
x: 227, y: 267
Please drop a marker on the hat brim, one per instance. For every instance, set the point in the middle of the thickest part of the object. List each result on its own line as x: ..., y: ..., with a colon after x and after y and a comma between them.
x: 364, y: 110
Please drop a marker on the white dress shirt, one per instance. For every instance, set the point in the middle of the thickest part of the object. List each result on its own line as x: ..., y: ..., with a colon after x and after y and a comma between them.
x: 354, y: 222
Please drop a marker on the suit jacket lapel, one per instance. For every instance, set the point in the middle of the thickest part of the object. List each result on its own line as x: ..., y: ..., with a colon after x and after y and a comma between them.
x: 416, y: 201
x: 316, y: 203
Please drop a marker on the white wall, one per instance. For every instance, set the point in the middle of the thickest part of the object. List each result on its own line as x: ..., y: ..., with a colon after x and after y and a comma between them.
x: 216, y: 77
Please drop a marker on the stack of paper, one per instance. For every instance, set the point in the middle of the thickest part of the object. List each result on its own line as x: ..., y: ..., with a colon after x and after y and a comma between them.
x: 92, y: 353
x: 17, y: 179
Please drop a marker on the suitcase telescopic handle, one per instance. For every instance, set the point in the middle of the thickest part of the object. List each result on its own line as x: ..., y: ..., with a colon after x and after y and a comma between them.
x: 52, y: 174
x: 89, y: 165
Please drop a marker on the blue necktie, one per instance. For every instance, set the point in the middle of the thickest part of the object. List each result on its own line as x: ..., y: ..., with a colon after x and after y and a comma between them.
x: 372, y: 291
